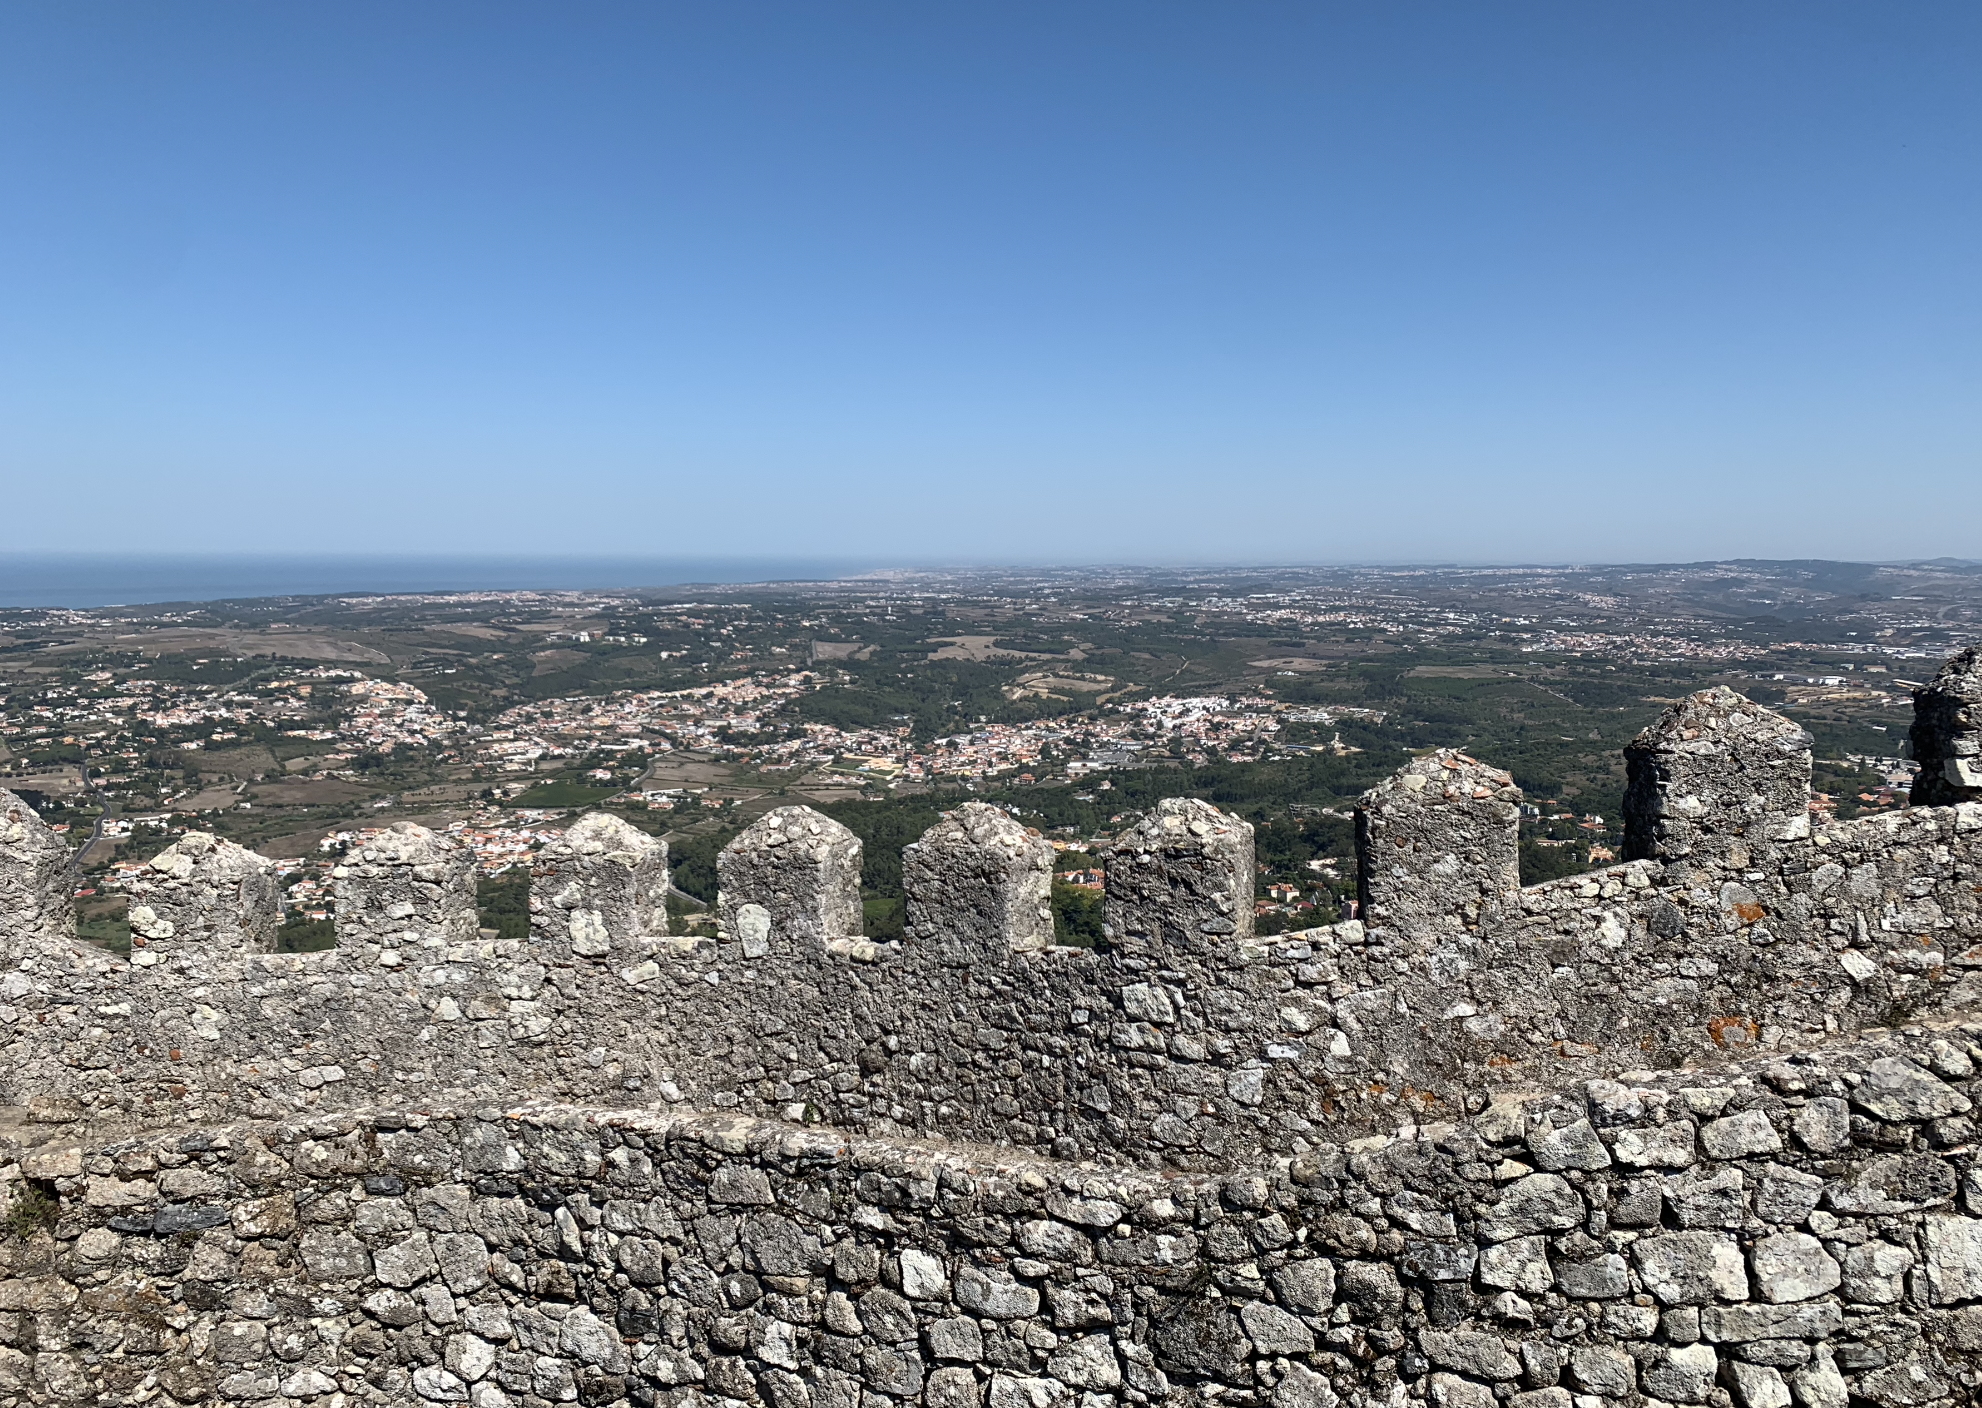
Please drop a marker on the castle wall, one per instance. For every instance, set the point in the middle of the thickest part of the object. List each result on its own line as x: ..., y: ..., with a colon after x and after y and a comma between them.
x: 1808, y: 1225
x: 1202, y: 1057
x: 1207, y: 1057
x: 1186, y: 1043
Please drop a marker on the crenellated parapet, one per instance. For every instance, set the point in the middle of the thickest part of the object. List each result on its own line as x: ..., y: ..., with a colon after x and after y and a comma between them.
x: 1717, y: 782
x: 1183, y: 1040
x: 600, y: 890
x: 204, y: 891
x: 978, y: 885
x: 789, y: 884
x: 37, y: 903
x: 1437, y: 842
x: 1180, y: 880
x: 406, y: 888
x: 1947, y: 733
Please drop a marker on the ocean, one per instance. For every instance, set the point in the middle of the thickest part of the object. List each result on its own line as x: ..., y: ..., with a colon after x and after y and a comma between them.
x: 105, y: 579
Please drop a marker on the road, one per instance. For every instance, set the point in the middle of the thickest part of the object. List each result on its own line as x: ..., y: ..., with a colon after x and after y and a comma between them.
x: 110, y: 809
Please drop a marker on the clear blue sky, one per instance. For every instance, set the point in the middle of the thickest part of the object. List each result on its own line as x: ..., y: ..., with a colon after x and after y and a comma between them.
x: 1007, y: 282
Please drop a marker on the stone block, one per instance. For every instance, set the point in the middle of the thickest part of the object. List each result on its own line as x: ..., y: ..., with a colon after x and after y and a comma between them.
x: 1519, y: 1264
x: 1793, y: 1266
x: 1717, y: 781
x: 789, y: 884
x: 1744, y: 1324
x: 1682, y: 1374
x: 207, y: 895
x: 600, y: 890
x: 405, y: 887
x: 1895, y: 1090
x: 1740, y: 1135
x: 1181, y: 879
x: 1953, y: 1245
x: 1437, y: 843
x: 1469, y: 1352
x: 1755, y: 1386
x: 1691, y: 1268
x: 978, y: 885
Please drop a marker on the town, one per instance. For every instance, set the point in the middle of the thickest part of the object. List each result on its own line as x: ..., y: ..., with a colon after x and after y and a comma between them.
x: 300, y: 726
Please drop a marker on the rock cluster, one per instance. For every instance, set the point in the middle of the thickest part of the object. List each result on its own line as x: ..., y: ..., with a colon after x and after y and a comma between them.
x: 37, y: 902
x: 1947, y: 733
x: 1716, y: 781
x: 1442, y: 838
x: 206, y: 891
x: 978, y: 885
x: 1182, y: 877
x: 601, y: 890
x: 405, y: 889
x: 789, y: 884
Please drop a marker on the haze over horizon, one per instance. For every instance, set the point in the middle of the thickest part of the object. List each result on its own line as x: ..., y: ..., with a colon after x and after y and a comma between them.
x: 1101, y: 282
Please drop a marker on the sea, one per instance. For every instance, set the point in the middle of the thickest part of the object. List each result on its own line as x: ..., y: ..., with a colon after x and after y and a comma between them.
x: 42, y: 580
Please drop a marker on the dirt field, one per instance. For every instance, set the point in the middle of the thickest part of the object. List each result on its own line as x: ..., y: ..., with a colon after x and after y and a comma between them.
x: 236, y: 762
x: 315, y: 792
x: 549, y: 662
x: 62, y: 783
x: 840, y: 650
x: 209, y: 799
x: 687, y: 772
x: 294, y: 645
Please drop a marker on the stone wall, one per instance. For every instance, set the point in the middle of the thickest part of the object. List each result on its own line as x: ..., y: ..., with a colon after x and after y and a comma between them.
x: 1695, y: 1129
x: 1807, y: 1226
x: 1185, y: 1043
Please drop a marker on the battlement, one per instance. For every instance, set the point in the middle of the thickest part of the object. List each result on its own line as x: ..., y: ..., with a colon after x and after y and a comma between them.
x: 1184, y: 1041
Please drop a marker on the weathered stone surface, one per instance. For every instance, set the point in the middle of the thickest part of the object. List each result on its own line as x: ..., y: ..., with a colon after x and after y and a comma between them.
x: 600, y: 891
x: 1896, y: 1089
x: 1754, y: 1386
x: 1605, y: 1370
x: 36, y: 897
x: 1824, y: 1125
x: 1656, y: 1146
x: 1717, y: 780
x: 1541, y: 1202
x: 1181, y: 879
x: 1947, y: 733
x: 1477, y: 1355
x: 1819, y: 1384
x: 204, y: 891
x: 1953, y: 1253
x: 1738, y: 1136
x: 802, y: 869
x: 1439, y: 839
x: 1691, y: 1268
x: 1741, y: 1324
x: 978, y: 885
x: 1683, y: 1373
x: 1792, y: 1266
x: 1875, y: 1273
x: 1598, y: 1278
x: 1520, y: 1264
x: 1573, y: 1145
x: 405, y: 888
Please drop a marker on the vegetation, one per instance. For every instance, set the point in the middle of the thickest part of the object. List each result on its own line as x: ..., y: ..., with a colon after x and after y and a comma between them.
x: 503, y: 902
x: 33, y: 1208
x: 301, y: 934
